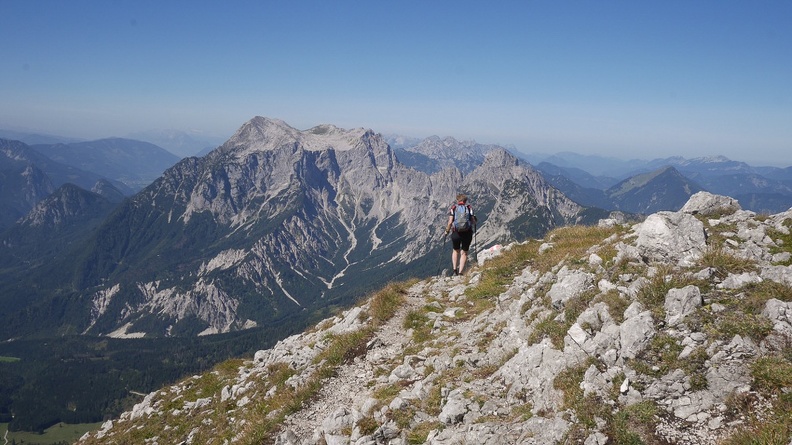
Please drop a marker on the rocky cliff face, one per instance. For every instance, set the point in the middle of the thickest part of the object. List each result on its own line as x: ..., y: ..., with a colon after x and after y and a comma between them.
x: 677, y: 329
x: 278, y: 221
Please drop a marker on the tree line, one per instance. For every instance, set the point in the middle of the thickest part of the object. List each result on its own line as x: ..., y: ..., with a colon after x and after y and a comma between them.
x: 81, y: 379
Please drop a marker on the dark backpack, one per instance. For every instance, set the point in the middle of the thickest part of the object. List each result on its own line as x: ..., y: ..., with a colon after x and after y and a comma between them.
x: 463, y: 220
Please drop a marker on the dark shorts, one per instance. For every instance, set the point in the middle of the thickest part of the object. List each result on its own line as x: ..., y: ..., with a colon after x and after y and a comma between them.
x: 461, y: 240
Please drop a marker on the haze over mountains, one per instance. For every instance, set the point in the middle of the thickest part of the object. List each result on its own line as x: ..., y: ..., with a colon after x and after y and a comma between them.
x: 180, y: 143
x: 134, y: 163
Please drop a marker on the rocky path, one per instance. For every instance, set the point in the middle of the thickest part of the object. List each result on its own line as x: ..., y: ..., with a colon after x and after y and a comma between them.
x: 341, y: 395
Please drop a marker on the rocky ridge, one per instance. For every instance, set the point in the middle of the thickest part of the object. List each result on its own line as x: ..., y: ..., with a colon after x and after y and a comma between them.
x: 677, y: 329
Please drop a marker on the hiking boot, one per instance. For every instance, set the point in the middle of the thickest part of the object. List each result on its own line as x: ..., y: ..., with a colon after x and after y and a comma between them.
x: 456, y: 271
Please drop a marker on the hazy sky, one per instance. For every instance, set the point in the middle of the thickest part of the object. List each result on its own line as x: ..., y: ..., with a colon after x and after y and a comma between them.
x: 631, y: 79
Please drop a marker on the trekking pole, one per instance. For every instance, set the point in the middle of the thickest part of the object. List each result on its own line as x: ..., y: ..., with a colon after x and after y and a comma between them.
x: 440, y: 261
x: 475, y: 243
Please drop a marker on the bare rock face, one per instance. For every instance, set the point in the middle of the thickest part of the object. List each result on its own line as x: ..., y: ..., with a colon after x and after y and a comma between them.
x: 636, y: 331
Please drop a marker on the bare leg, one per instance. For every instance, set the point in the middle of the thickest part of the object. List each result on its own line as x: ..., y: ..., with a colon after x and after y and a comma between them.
x: 454, y: 259
x: 462, y: 261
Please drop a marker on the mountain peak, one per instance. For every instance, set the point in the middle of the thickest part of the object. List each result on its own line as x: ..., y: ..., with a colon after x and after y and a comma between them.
x: 718, y: 158
x: 644, y: 178
x: 447, y: 152
x: 69, y: 201
x: 662, y: 189
x: 262, y: 134
x: 501, y: 158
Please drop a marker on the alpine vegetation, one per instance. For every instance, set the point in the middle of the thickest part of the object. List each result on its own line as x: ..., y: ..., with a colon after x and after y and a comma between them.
x: 676, y: 329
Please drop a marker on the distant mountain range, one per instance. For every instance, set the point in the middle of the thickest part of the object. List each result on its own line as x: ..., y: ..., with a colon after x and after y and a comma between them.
x: 120, y: 238
x: 110, y: 167
x: 761, y: 189
x: 274, y: 223
x: 31, y: 138
x: 27, y: 177
x: 180, y: 143
x: 662, y: 189
x: 133, y: 163
x: 433, y: 154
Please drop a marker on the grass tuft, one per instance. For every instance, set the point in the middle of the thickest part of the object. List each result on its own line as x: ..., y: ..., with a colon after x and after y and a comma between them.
x: 617, y: 304
x: 367, y: 426
x: 772, y: 374
x: 724, y: 262
x: 421, y: 325
x: 421, y: 431
x: 661, y: 356
x: 783, y: 241
x: 551, y: 328
x: 573, y: 242
x: 635, y: 424
x: 773, y: 430
x: 384, y: 304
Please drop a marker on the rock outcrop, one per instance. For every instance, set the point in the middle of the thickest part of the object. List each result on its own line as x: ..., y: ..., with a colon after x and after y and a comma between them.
x: 674, y: 330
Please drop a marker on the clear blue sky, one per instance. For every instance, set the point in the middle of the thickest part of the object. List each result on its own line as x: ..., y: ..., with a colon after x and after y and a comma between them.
x: 631, y: 79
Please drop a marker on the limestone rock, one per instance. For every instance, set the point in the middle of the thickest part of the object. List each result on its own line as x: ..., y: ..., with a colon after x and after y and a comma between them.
x: 454, y: 409
x: 705, y: 203
x: 672, y: 237
x: 681, y: 302
x: 635, y: 332
x: 570, y: 284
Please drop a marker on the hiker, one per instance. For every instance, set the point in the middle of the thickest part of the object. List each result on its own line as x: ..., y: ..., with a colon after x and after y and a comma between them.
x: 461, y: 225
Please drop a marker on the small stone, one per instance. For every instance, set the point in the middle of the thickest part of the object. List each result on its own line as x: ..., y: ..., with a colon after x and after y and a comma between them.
x: 625, y: 386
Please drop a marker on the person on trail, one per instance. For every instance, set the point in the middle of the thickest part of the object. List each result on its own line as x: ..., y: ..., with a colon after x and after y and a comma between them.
x: 461, y: 224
